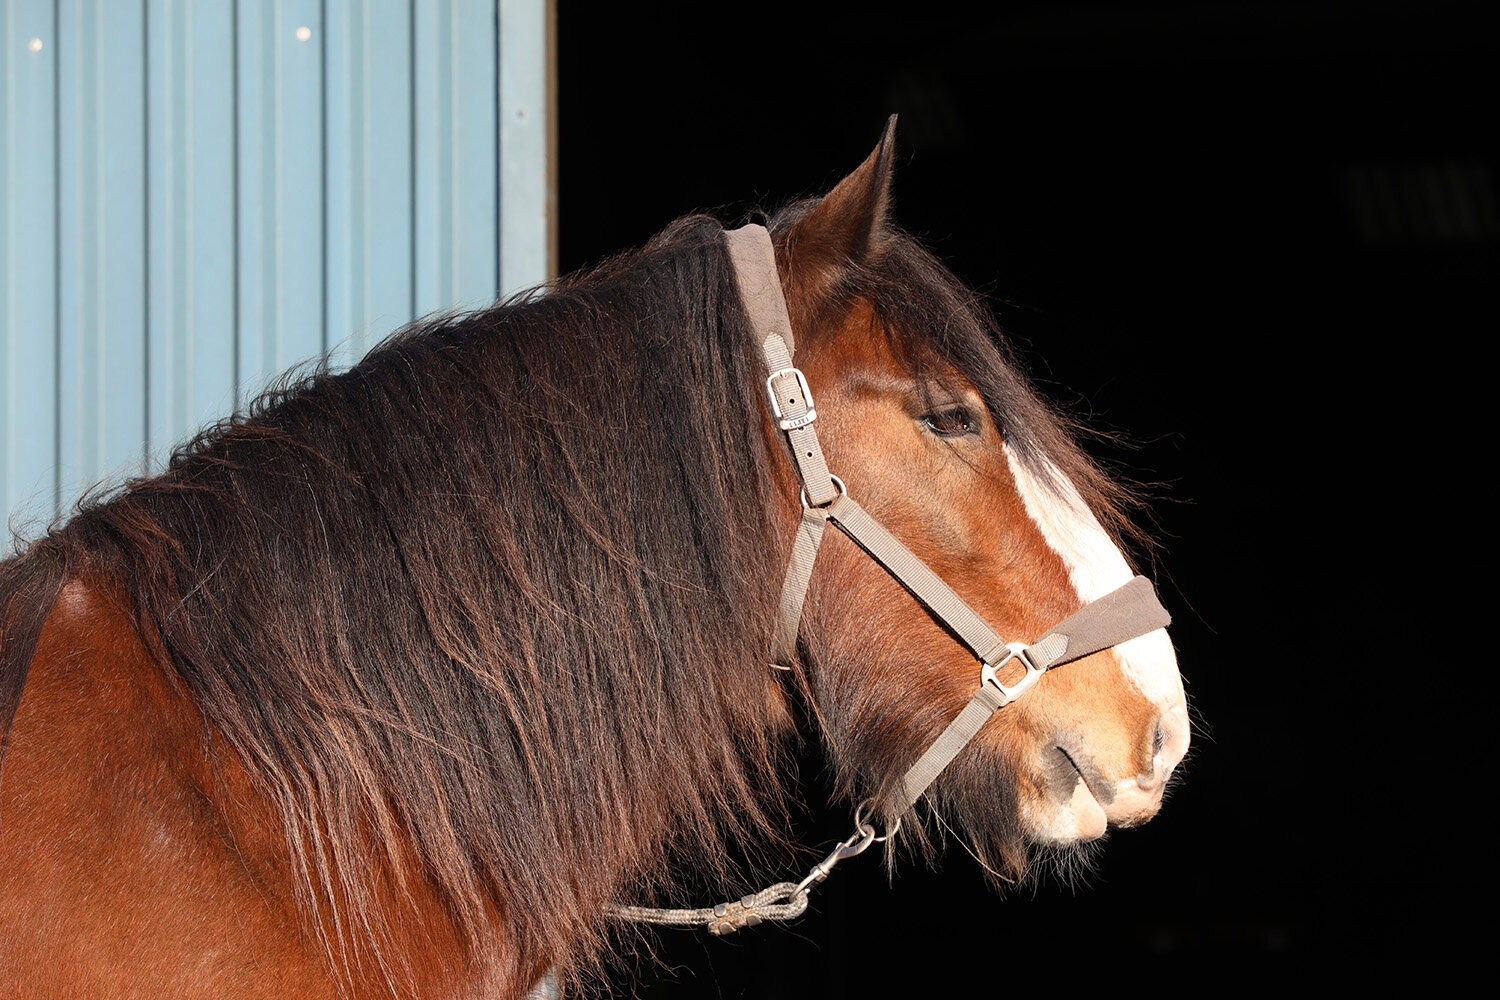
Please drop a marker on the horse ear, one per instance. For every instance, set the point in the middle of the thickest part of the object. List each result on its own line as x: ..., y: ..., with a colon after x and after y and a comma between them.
x: 848, y: 227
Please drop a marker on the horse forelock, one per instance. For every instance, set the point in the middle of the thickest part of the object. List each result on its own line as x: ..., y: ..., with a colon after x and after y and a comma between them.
x: 502, y: 591
x: 941, y: 327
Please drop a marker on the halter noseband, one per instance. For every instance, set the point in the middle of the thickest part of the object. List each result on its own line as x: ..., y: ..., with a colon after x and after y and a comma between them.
x: 1125, y: 613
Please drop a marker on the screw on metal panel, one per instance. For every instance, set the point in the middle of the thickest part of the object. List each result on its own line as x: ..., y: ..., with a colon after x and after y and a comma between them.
x: 35, y: 45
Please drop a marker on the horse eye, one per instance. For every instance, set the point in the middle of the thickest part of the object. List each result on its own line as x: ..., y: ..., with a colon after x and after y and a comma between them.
x: 951, y: 421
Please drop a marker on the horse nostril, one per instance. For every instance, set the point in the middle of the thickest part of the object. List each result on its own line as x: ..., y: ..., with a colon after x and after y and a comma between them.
x: 1171, y: 740
x: 1157, y: 768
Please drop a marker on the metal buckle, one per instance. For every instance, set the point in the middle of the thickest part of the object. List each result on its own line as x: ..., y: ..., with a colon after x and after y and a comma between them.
x: 1014, y: 650
x: 783, y: 421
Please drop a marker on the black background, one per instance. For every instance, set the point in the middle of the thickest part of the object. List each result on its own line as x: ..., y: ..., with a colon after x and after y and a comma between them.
x: 1257, y: 238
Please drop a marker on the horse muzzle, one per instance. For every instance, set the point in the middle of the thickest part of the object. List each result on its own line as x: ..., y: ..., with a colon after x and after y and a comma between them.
x: 1080, y: 796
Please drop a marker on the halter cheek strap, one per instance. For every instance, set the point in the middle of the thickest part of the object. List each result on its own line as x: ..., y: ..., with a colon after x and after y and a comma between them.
x: 1130, y: 611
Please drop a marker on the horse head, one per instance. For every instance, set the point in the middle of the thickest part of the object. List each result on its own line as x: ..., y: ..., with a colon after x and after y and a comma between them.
x: 925, y: 420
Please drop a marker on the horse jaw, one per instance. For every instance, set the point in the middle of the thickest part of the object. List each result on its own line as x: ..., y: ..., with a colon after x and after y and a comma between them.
x: 1087, y: 787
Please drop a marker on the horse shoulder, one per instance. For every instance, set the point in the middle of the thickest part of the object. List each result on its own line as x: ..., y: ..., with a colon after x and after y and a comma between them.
x: 135, y: 857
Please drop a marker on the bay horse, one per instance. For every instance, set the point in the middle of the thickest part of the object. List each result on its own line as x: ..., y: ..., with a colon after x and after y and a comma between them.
x: 393, y: 684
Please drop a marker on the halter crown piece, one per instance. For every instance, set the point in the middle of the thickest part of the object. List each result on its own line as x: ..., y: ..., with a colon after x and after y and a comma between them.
x: 1125, y: 613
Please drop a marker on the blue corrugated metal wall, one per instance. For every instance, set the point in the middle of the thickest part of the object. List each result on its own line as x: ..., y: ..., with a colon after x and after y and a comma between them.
x: 195, y: 196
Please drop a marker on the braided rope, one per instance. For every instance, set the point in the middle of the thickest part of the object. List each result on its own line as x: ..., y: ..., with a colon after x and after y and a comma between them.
x: 747, y: 911
x: 725, y: 918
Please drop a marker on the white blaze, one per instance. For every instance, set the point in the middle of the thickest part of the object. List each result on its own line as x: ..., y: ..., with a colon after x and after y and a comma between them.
x: 1096, y: 566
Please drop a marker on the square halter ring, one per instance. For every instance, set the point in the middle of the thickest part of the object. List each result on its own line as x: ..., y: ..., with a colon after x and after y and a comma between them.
x: 989, y: 674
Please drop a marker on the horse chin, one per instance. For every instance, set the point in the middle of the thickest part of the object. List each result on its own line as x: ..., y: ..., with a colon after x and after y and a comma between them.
x: 1065, y: 810
x: 1080, y: 818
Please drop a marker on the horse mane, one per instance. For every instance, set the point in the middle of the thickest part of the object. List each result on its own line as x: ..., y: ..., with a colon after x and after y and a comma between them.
x: 493, y: 607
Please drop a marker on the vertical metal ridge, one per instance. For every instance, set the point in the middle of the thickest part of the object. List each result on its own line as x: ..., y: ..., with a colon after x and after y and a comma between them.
x: 101, y: 110
x: 500, y: 110
x: 237, y: 331
x: 145, y: 182
x: 57, y: 376
x: 28, y: 288
x: 327, y: 338
x: 338, y: 178
x: 450, y: 187
x: 9, y: 77
x: 190, y: 221
x: 414, y: 241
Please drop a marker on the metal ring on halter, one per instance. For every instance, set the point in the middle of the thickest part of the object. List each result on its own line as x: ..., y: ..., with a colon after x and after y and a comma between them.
x: 843, y: 491
x: 860, y: 824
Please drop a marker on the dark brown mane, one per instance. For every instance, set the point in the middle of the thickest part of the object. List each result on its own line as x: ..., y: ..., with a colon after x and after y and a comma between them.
x: 508, y: 571
x: 503, y: 592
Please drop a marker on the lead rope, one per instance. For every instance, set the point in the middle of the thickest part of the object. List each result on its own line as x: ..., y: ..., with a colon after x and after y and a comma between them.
x: 1130, y: 611
x: 782, y: 901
